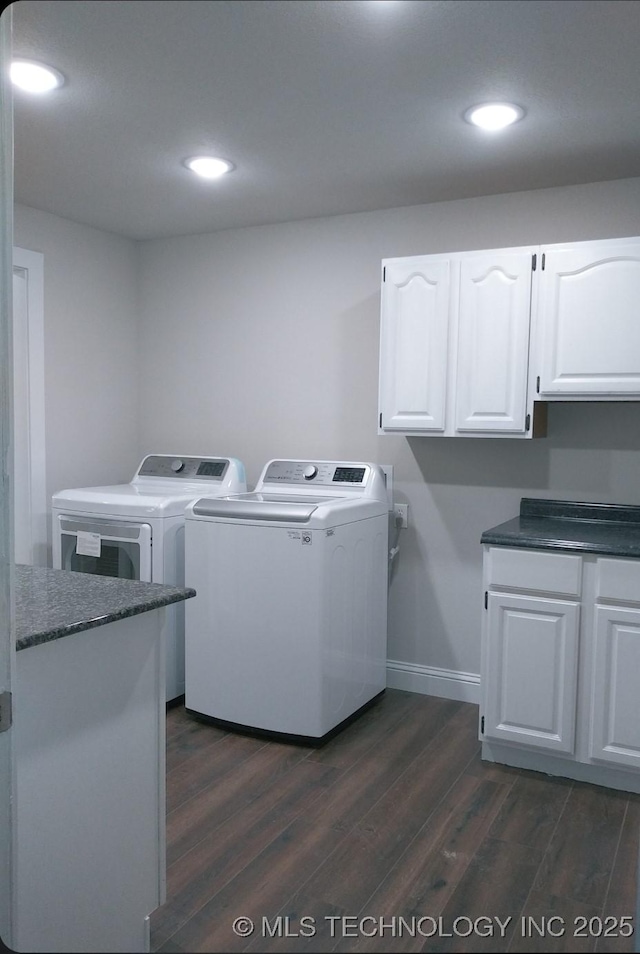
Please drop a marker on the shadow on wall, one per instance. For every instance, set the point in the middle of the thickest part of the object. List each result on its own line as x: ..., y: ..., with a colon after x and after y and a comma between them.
x: 599, y: 425
x: 482, y: 462
x: 592, y: 452
x: 356, y: 383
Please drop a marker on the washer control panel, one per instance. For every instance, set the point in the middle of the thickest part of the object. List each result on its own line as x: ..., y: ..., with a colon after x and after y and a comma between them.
x: 324, y: 473
x: 183, y: 468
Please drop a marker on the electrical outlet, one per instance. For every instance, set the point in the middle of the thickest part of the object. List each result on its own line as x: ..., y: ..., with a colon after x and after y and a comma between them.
x: 402, y: 510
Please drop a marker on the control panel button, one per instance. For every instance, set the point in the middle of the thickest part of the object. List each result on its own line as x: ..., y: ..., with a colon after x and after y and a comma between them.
x: 177, y: 466
x: 310, y: 472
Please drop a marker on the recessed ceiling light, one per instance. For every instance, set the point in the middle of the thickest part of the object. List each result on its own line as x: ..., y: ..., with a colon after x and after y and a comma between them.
x: 35, y: 77
x: 209, y: 167
x: 494, y: 116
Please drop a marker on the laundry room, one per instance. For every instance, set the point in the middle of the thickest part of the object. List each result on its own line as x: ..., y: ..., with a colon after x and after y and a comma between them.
x: 242, y: 319
x: 263, y: 342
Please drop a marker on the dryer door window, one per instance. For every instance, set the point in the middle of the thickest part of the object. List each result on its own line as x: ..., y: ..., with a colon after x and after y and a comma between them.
x: 118, y: 550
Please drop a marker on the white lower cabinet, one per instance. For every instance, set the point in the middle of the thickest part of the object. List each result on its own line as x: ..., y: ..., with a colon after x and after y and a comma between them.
x: 561, y: 664
x: 90, y: 803
x: 530, y: 693
x: 616, y: 672
x: 615, y: 733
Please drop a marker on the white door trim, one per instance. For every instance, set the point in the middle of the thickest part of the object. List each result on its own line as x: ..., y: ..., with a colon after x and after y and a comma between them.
x: 7, y: 643
x: 31, y: 266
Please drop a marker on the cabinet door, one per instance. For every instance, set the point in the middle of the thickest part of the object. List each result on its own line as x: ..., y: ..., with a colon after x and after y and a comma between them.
x: 615, y: 730
x: 413, y: 344
x: 493, y: 341
x: 530, y: 667
x: 589, y: 327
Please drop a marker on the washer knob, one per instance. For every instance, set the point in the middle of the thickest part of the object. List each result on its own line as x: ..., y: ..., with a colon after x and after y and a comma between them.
x: 177, y: 466
x: 310, y: 472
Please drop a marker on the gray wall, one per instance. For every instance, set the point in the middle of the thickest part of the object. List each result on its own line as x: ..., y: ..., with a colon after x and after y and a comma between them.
x: 91, y: 349
x: 263, y: 342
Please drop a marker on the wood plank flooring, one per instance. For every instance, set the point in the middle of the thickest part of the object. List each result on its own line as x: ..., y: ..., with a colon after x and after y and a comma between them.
x: 393, y: 837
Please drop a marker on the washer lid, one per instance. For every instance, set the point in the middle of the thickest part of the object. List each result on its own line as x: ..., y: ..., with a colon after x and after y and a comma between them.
x: 289, y: 508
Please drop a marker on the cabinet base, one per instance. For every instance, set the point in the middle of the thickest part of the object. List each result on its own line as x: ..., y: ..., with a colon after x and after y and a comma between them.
x: 624, y: 781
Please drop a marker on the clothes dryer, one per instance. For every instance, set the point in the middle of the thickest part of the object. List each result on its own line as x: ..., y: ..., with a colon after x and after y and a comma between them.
x: 136, y: 531
x: 287, y: 634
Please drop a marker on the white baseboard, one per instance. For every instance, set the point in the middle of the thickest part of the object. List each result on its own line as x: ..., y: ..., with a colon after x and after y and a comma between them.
x: 431, y: 681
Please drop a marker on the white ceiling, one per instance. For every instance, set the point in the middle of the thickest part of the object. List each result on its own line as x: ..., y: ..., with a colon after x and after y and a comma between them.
x: 324, y: 107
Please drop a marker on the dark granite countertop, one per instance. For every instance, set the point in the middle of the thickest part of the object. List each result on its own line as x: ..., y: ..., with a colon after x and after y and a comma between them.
x: 608, y: 529
x: 51, y: 604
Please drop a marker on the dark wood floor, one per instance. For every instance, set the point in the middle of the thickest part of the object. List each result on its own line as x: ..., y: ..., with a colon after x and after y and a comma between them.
x: 396, y: 817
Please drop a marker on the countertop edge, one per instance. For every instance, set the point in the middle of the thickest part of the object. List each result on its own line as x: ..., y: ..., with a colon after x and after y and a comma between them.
x: 540, y: 543
x: 554, y: 525
x: 48, y: 636
x: 51, y: 604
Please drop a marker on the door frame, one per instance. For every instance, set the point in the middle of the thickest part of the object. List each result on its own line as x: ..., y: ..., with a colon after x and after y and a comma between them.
x: 31, y: 265
x: 7, y: 643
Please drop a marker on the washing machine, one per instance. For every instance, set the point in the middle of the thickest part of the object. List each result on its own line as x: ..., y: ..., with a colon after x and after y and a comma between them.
x: 135, y: 531
x: 287, y: 635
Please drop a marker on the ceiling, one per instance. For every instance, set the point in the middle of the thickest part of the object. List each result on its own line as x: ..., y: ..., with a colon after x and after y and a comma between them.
x: 324, y: 107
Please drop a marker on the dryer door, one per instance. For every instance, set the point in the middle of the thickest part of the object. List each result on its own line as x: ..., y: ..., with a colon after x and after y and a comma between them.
x: 103, y: 547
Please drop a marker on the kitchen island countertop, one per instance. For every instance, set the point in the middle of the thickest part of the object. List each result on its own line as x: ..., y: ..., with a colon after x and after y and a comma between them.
x: 51, y: 604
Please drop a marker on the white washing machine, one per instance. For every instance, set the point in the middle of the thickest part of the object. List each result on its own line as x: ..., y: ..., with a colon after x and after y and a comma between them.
x: 135, y: 531
x: 288, y: 632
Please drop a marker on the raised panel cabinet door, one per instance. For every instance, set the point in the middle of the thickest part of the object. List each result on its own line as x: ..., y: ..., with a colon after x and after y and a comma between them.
x: 589, y: 321
x: 413, y: 344
x: 530, y: 671
x: 615, y: 729
x: 493, y: 341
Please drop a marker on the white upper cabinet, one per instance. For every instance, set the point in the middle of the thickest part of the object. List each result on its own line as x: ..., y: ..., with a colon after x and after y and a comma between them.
x: 473, y: 344
x: 414, y: 343
x: 454, y: 354
x: 493, y: 341
x: 588, y: 326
